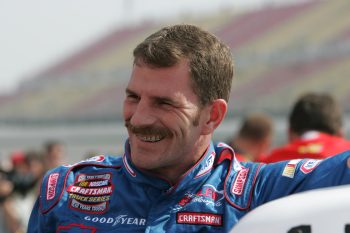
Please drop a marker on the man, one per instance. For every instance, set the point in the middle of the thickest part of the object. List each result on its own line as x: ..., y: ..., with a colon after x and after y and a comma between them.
x: 254, y: 138
x: 172, y: 178
x: 54, y: 154
x: 315, y: 130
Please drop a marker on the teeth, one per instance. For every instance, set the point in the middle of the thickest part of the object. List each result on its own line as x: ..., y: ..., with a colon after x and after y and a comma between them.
x: 154, y: 138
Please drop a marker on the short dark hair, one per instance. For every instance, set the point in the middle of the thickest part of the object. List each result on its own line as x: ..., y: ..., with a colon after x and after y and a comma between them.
x: 50, y: 144
x: 256, y: 127
x: 316, y: 111
x: 34, y: 155
x: 210, y: 60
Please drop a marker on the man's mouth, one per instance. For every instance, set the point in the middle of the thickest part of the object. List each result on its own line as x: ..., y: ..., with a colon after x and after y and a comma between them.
x: 150, y: 138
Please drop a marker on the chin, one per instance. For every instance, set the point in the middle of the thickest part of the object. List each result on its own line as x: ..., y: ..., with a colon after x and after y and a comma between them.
x: 144, y: 166
x: 140, y: 160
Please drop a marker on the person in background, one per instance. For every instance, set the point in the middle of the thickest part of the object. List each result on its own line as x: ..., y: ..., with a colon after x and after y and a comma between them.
x: 6, y: 188
x: 315, y: 130
x: 54, y: 154
x: 254, y: 138
x: 24, y: 179
x: 172, y: 177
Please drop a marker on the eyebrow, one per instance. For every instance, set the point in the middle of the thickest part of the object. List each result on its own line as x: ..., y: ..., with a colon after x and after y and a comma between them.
x: 130, y: 92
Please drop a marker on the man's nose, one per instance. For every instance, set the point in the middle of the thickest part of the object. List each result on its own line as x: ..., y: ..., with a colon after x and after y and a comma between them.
x: 144, y: 114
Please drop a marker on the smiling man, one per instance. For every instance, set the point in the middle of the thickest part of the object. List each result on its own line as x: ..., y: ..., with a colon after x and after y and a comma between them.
x: 172, y: 177
x: 165, y: 120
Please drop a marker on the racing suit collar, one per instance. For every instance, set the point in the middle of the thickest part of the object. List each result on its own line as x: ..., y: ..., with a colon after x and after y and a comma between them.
x: 193, y: 177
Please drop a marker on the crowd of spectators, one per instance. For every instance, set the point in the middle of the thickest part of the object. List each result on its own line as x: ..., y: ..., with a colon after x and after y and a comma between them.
x: 20, y: 178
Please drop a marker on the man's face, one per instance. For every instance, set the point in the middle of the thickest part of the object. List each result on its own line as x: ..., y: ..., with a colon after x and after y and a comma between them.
x: 163, y: 118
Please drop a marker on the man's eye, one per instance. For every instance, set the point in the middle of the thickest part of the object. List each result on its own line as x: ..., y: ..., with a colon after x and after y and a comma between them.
x: 132, y: 97
x: 165, y: 103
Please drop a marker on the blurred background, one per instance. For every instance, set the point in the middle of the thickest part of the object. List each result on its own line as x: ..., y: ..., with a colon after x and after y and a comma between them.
x: 64, y: 65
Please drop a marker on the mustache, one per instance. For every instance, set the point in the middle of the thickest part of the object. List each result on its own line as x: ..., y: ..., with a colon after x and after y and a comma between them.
x: 147, y: 129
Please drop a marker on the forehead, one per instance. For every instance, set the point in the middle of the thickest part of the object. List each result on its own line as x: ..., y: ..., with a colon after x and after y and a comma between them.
x: 165, y: 81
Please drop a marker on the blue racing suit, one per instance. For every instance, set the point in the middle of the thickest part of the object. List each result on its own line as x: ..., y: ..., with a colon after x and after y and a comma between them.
x: 109, y: 194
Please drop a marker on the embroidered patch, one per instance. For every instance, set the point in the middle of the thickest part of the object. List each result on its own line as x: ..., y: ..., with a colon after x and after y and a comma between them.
x: 309, y: 165
x: 51, y: 186
x: 91, y: 193
x: 289, y: 169
x: 114, y: 220
x: 89, y: 208
x: 240, y: 180
x: 197, y: 218
x: 208, y: 165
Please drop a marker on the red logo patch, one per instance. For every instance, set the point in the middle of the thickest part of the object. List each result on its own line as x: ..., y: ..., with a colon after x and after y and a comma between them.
x: 309, y: 165
x: 51, y: 186
x: 241, y: 178
x: 199, y: 218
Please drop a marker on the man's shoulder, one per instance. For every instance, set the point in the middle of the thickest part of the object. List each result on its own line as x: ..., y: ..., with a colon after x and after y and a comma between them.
x: 240, y: 183
x: 95, y: 161
x: 55, y: 181
x: 99, y: 160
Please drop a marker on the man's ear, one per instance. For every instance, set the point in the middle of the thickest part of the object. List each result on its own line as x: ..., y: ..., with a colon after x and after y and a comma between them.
x: 215, y: 113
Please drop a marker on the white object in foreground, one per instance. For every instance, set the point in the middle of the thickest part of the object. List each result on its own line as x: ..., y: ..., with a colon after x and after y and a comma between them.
x: 318, y: 211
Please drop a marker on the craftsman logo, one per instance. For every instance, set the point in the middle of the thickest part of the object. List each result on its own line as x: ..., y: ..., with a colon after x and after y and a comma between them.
x: 118, y: 220
x: 289, y: 169
x: 199, y: 218
x: 241, y: 178
x: 91, y: 193
x: 309, y: 165
x: 208, y: 165
x: 51, y: 186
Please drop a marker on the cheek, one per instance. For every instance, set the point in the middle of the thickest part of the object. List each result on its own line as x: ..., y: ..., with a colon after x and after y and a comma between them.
x: 127, y: 110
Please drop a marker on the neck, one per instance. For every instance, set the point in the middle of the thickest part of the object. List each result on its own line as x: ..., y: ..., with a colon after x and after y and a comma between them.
x: 174, y: 173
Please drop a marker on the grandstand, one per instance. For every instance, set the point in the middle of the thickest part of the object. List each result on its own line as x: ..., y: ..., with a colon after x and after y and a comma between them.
x: 280, y: 52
